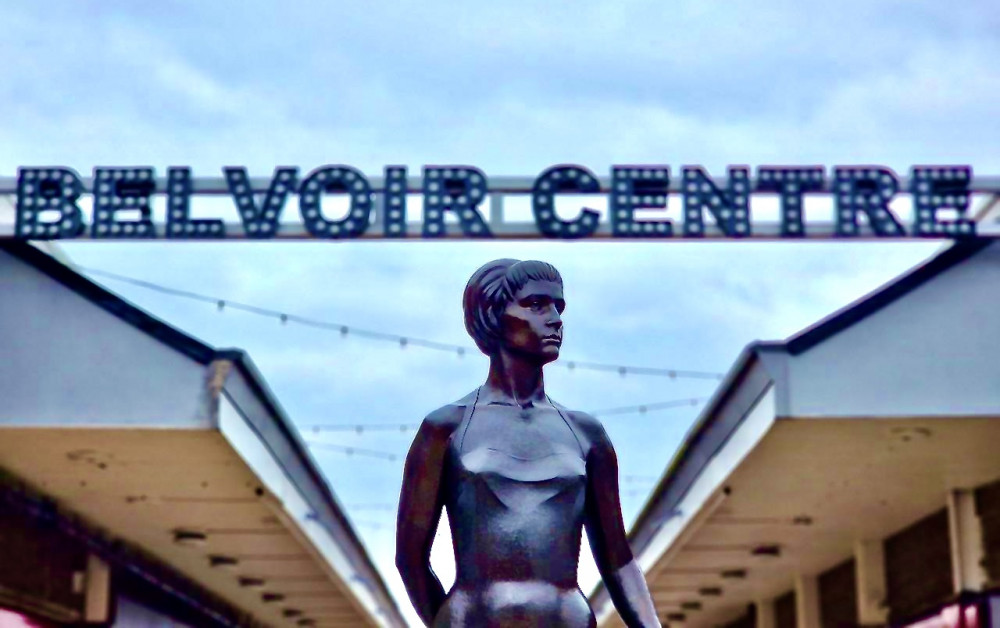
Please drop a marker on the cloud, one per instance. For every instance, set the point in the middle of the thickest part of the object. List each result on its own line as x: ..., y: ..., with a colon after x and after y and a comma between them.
x: 592, y: 83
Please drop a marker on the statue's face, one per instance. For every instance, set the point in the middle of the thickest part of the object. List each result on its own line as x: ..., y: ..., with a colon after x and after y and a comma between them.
x: 531, y: 323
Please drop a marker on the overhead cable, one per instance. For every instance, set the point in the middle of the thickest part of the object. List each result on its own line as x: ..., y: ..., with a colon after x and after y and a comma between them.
x: 650, y: 407
x: 361, y: 428
x: 392, y: 457
x: 354, y: 451
x: 400, y: 340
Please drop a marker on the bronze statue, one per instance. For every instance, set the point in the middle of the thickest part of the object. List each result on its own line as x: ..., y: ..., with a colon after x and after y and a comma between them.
x: 519, y: 475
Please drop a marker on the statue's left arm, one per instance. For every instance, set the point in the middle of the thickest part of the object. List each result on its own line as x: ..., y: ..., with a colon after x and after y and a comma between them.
x: 606, y: 531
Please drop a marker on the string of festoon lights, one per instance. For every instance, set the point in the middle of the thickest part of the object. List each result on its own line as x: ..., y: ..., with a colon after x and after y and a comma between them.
x: 221, y: 304
x: 388, y: 506
x: 391, y: 507
x: 350, y: 450
x: 360, y: 428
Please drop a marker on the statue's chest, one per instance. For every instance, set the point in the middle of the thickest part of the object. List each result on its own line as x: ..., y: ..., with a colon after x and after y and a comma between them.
x: 503, y: 429
x: 521, y: 463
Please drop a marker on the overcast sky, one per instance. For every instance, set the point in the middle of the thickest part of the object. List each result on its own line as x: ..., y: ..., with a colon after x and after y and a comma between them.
x: 512, y: 88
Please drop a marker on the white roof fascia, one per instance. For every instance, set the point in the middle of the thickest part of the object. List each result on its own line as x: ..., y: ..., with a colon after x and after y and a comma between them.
x: 705, y: 495
x: 291, y: 502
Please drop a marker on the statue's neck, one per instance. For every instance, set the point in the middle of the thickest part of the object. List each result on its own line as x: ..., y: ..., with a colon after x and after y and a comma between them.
x: 514, y: 380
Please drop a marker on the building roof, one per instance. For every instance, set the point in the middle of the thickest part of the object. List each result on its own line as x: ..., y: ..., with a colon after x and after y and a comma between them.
x: 777, y: 373
x: 230, y: 398
x: 711, y: 428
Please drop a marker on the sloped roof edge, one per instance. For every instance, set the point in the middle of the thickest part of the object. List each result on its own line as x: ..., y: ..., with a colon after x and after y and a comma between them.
x: 802, y: 341
x: 670, y: 490
x: 882, y: 296
x: 306, y: 475
x: 110, y: 302
x: 304, y: 472
x: 668, y: 486
x: 686, y: 464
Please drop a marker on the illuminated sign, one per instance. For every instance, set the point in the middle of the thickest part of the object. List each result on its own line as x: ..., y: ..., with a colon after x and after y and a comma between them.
x: 462, y: 202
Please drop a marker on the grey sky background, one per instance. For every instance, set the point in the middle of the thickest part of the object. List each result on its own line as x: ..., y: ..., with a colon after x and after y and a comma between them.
x: 512, y: 88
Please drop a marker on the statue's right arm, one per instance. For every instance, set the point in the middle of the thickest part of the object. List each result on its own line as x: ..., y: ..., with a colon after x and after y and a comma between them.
x: 421, y: 500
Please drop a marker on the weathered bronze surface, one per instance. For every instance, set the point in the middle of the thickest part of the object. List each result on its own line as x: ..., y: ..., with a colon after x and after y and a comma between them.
x: 519, y: 475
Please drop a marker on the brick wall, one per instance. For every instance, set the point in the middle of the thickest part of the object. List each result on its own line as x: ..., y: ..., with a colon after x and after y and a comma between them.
x: 838, y: 604
x: 918, y: 567
x: 784, y: 611
x: 988, y: 508
x: 747, y: 620
x: 37, y: 563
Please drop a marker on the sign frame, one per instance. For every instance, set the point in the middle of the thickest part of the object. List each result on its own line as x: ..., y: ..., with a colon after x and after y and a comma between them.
x: 712, y: 207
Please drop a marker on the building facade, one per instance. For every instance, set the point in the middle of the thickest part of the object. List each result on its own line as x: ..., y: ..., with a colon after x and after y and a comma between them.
x: 848, y: 476
x: 147, y: 479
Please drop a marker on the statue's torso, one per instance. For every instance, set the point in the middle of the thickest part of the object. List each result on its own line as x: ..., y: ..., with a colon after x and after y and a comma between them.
x: 515, y: 487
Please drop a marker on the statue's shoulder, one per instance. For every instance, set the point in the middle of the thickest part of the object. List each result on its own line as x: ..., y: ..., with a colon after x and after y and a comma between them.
x: 446, y: 419
x: 585, y: 424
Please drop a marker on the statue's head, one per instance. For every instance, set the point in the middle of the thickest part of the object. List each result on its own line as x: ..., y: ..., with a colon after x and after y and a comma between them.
x: 517, y: 305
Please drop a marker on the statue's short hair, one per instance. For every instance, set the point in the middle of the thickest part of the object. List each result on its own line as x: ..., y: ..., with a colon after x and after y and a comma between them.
x: 491, y: 289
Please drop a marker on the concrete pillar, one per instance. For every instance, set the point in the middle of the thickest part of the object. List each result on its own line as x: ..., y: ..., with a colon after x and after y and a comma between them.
x: 807, y: 602
x: 97, y: 607
x: 869, y: 575
x: 966, y: 537
x: 764, y: 610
